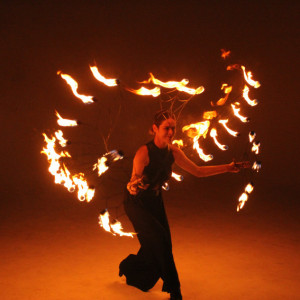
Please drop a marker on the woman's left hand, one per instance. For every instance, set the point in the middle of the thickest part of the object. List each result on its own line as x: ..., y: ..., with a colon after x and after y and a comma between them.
x: 235, y: 167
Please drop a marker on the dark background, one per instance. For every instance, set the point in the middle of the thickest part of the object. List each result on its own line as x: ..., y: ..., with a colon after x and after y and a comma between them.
x: 127, y: 40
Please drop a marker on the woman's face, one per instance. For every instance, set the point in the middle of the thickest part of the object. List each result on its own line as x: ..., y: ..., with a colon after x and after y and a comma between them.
x: 165, y: 132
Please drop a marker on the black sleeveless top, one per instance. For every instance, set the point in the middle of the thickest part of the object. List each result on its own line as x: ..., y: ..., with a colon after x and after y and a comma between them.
x: 159, y: 169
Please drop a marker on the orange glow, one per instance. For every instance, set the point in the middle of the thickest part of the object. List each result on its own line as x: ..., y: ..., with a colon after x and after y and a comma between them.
x: 114, y: 228
x: 65, y: 122
x: 246, y: 96
x: 249, y: 188
x: 179, y: 143
x: 248, y: 78
x: 252, y: 136
x: 179, y: 85
x: 255, y: 147
x: 236, y: 111
x: 60, y: 138
x: 204, y: 157
x: 224, y: 53
x: 74, y: 86
x: 233, y: 67
x: 146, y: 92
x: 99, y: 77
x: 177, y: 176
x: 224, y: 122
x: 242, y: 200
x: 101, y: 165
x: 256, y: 166
x: 209, y: 115
x: 165, y: 186
x: 214, y: 134
x: 227, y: 90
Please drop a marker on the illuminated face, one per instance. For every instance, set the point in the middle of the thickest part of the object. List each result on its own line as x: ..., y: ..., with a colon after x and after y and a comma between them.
x: 165, y: 132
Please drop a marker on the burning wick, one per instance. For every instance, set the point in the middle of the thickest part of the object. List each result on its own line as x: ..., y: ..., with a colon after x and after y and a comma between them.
x: 252, y: 136
x: 244, y: 197
x: 256, y: 166
x: 177, y: 176
x: 74, y: 86
x: 146, y: 92
x: 224, y: 122
x: 213, y: 134
x: 255, y: 147
x: 236, y: 111
x: 246, y: 97
x: 105, y: 161
x: 99, y: 77
x: 248, y: 78
x: 65, y: 122
x: 165, y: 186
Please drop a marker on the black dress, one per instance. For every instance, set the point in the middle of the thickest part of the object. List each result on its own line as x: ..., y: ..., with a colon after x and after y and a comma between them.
x: 146, y: 211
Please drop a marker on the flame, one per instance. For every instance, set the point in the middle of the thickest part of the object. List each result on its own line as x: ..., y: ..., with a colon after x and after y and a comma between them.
x: 99, y: 77
x: 213, y: 134
x: 165, y: 186
x: 242, y: 200
x: 236, y: 111
x: 209, y: 115
x: 204, y: 157
x: 60, y: 138
x: 230, y: 131
x: 74, y: 86
x: 227, y: 90
x: 114, y: 228
x: 255, y: 147
x: 65, y: 122
x: 248, y: 78
x: 177, y: 176
x: 225, y: 53
x: 244, y: 197
x: 62, y: 175
x: 179, y: 143
x: 146, y: 92
x: 178, y: 85
x: 246, y: 97
x: 256, y: 166
x: 233, y: 67
x: 103, y: 162
x: 252, y: 136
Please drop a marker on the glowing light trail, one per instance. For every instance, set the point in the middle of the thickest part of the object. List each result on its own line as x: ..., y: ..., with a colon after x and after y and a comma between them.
x: 177, y: 176
x: 230, y: 131
x: 214, y: 134
x: 155, y: 92
x: 62, y: 141
x: 236, y: 111
x: 255, y: 147
x: 246, y: 97
x: 244, y: 197
x: 99, y: 77
x: 65, y: 122
x: 248, y: 78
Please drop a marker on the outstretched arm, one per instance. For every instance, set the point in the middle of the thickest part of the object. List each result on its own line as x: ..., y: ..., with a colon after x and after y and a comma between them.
x: 203, y: 171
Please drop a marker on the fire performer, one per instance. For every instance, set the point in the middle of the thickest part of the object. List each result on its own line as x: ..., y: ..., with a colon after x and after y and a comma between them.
x: 152, y: 167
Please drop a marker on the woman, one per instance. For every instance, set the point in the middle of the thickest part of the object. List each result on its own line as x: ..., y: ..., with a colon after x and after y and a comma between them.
x: 152, y: 167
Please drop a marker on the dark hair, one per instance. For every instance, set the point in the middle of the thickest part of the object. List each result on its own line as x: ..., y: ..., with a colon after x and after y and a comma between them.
x: 161, y: 116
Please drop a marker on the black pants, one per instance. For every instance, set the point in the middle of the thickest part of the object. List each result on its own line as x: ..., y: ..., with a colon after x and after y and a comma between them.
x: 154, y: 259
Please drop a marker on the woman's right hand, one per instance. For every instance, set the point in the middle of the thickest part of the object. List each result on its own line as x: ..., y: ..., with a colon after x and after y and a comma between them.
x: 135, y: 185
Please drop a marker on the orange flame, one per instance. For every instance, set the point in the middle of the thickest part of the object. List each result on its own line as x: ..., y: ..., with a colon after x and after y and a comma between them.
x: 74, y: 86
x: 65, y: 122
x: 225, y: 53
x: 165, y: 186
x: 177, y: 176
x: 179, y: 143
x: 246, y: 96
x: 252, y: 136
x: 230, y: 131
x: 244, y: 197
x: 256, y: 166
x: 213, y: 134
x: 146, y: 92
x: 99, y: 77
x: 60, y: 138
x: 248, y: 78
x: 236, y: 111
x: 227, y: 90
x: 114, y: 228
x: 209, y: 115
x: 84, y: 192
x: 178, y: 85
x: 255, y: 147
x: 233, y: 67
x: 103, y: 162
x: 204, y: 157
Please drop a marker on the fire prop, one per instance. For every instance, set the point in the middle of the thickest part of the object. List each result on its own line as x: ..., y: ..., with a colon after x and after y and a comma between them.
x: 197, y: 132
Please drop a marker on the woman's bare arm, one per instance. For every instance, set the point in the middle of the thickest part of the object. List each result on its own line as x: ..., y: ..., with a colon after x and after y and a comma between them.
x: 203, y: 171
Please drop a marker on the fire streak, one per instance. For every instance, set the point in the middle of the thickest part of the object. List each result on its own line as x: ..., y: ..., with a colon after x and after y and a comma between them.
x: 209, y: 115
x: 252, y: 136
x: 179, y: 143
x: 59, y: 135
x: 236, y: 111
x: 146, y: 92
x: 65, y: 122
x: 177, y: 176
x: 99, y: 77
x: 74, y: 86
x: 204, y: 157
x: 213, y: 134
x: 114, y: 228
x: 244, y: 197
x: 256, y: 166
x: 248, y: 78
x: 246, y: 96
x: 255, y: 147
x: 225, y: 53
x: 178, y: 85
x: 230, y: 131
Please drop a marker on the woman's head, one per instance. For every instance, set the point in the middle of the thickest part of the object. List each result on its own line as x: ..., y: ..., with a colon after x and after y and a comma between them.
x: 164, y: 127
